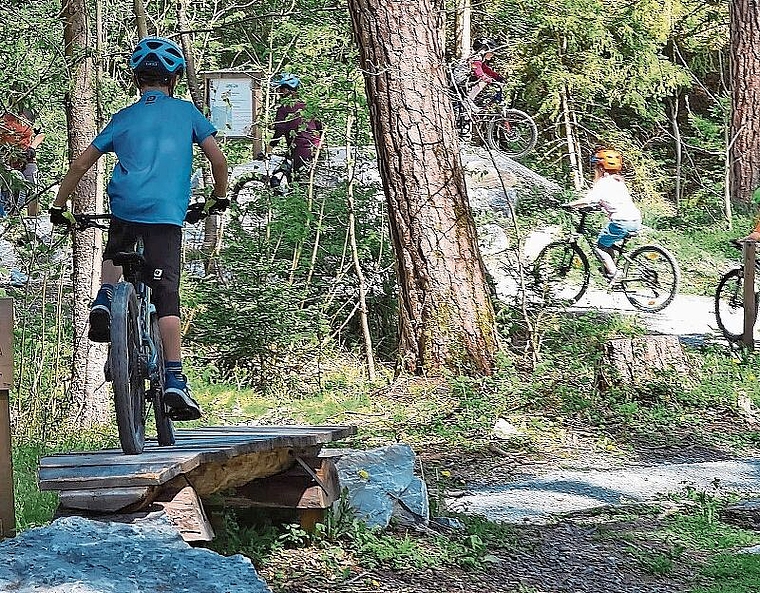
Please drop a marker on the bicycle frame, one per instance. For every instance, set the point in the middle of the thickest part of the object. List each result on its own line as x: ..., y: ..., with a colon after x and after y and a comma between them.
x: 132, y: 272
x: 582, y: 231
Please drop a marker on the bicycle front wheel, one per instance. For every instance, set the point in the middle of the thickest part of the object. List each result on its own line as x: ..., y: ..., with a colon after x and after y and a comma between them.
x: 513, y: 132
x: 561, y: 272
x: 729, y: 304
x: 127, y: 373
x: 651, y: 278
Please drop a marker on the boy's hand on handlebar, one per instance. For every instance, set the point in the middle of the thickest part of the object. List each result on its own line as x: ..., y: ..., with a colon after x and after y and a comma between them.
x: 60, y: 216
x: 214, y: 204
x: 200, y: 210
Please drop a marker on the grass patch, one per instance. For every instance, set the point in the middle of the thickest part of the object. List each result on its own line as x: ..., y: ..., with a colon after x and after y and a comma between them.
x: 34, y: 507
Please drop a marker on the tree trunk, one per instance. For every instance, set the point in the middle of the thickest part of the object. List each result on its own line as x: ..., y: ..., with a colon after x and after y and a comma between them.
x: 639, y: 361
x: 90, y: 398
x: 351, y: 207
x: 142, y: 27
x: 673, y: 104
x: 745, y: 98
x: 187, y: 48
x: 463, y: 26
x: 446, y: 319
x: 572, y: 144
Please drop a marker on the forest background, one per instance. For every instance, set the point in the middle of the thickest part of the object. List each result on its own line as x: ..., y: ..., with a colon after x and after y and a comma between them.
x: 273, y: 325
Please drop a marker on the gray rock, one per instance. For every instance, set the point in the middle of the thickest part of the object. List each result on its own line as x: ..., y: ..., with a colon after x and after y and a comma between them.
x: 77, y: 555
x: 541, y: 499
x: 381, y: 484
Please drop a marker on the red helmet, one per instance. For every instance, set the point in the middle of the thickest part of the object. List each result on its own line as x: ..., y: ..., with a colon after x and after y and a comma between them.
x: 610, y: 160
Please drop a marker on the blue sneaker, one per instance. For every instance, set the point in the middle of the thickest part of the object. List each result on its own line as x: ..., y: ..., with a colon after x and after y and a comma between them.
x: 177, y: 398
x: 100, y: 316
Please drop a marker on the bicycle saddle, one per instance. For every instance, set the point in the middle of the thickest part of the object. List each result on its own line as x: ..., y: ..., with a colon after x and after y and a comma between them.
x: 129, y: 259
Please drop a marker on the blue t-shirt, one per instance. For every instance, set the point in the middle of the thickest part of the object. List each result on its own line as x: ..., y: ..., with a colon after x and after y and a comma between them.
x: 153, y: 140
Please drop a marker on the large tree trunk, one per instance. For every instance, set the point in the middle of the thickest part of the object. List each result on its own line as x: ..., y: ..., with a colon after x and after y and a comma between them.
x: 445, y: 316
x: 89, y: 397
x: 745, y: 98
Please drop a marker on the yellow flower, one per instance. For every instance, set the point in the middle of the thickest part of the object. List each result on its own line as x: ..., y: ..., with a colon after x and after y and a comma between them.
x: 446, y: 473
x: 364, y: 474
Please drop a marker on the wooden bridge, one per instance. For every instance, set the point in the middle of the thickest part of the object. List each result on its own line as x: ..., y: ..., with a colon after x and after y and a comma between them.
x: 270, y: 466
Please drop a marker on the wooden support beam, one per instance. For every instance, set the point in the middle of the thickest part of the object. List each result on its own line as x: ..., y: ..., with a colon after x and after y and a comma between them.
x: 7, y: 506
x: 748, y: 337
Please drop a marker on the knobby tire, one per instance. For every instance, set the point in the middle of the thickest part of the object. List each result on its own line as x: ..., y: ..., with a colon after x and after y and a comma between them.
x: 561, y: 272
x: 651, y: 278
x: 729, y: 305
x: 127, y: 374
x: 513, y: 133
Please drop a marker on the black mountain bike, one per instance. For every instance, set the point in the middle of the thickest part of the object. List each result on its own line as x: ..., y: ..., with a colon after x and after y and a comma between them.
x: 561, y: 271
x: 729, y: 300
x: 510, y: 131
x: 135, y: 364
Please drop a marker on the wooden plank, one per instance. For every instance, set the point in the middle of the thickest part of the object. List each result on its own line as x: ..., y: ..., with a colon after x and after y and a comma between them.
x: 194, y: 448
x: 294, y: 488
x: 7, y: 505
x: 92, y: 459
x: 6, y: 343
x: 103, y: 500
x: 332, y: 432
x: 186, y: 513
x: 108, y: 476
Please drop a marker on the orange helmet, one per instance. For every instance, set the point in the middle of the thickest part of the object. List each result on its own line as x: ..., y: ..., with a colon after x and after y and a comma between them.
x: 610, y: 160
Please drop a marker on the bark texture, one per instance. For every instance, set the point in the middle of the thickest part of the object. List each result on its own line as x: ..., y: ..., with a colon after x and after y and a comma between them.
x: 445, y: 316
x: 745, y: 98
x: 637, y: 361
x: 90, y: 398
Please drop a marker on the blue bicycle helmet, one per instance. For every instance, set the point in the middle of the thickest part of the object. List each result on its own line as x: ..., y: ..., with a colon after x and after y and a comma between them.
x: 288, y: 80
x: 157, y: 54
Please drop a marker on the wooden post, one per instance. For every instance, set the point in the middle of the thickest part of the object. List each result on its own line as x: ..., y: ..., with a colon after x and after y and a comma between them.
x: 748, y: 337
x: 7, y: 506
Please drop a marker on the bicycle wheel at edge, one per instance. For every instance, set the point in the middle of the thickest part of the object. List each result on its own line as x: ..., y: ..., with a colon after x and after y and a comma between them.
x: 651, y: 278
x: 729, y: 304
x: 164, y: 426
x: 513, y: 132
x: 127, y: 374
x: 561, y: 272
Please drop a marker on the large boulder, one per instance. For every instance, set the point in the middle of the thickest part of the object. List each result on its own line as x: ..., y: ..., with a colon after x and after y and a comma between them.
x: 381, y: 485
x: 74, y: 554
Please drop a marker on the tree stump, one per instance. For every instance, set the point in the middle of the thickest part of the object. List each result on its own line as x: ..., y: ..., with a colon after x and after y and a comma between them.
x: 629, y: 361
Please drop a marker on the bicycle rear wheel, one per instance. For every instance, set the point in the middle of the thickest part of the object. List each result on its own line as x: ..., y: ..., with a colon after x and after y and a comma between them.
x: 126, y: 365
x: 164, y: 426
x: 651, y: 278
x: 561, y: 272
x: 513, y: 132
x: 729, y: 304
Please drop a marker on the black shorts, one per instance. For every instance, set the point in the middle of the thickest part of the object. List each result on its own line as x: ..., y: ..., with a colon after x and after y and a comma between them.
x: 162, y: 249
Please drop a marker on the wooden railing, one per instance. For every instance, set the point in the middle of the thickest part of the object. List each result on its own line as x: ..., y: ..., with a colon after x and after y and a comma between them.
x: 7, y: 510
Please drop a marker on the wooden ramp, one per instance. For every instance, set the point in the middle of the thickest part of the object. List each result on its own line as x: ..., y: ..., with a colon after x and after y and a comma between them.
x: 208, y: 460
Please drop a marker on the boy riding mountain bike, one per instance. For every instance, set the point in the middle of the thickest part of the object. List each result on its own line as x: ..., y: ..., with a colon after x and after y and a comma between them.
x: 149, y: 193
x: 610, y: 192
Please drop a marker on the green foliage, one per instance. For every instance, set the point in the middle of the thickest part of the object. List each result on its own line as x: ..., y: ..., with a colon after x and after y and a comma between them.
x: 288, y: 286
x: 733, y: 574
x: 33, y: 508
